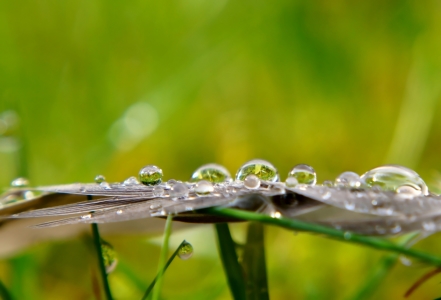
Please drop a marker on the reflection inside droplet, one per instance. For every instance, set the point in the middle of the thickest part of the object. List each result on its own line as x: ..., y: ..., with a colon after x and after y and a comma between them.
x: 263, y: 169
x: 185, y: 251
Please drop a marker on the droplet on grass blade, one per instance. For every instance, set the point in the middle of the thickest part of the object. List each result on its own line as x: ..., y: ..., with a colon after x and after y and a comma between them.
x: 348, y: 180
x: 263, y: 169
x: 304, y: 174
x: 186, y: 251
x: 211, y: 172
x: 100, y: 179
x: 109, y: 256
x: 20, y: 182
x: 150, y: 175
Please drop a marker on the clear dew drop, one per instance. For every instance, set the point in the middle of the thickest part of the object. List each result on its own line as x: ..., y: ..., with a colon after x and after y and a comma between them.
x: 211, y: 172
x: 158, y: 191
x: 328, y: 183
x: 392, y: 177
x: 20, y: 182
x: 408, y: 191
x: 251, y: 182
x: 150, y: 175
x: 304, y: 174
x: 119, y: 212
x: 131, y: 181
x: 203, y: 187
x: 348, y: 180
x: 179, y: 190
x: 291, y: 181
x: 105, y: 185
x: 429, y: 226
x: 155, y: 206
x: 185, y: 251
x: 263, y: 169
x: 99, y: 179
x: 109, y: 256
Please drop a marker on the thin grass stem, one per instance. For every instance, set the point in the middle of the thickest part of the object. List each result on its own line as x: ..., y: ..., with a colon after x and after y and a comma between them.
x: 102, y: 268
x: 373, y: 242
x: 162, y: 258
x: 4, y: 293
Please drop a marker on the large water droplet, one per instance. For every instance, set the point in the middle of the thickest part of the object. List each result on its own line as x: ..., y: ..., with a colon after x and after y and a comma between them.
x: 109, y: 256
x: 99, y: 179
x: 211, y: 172
x: 186, y: 251
x: 251, y: 182
x: 203, y: 187
x: 20, y: 182
x: 304, y: 174
x: 150, y: 175
x: 392, y: 177
x: 131, y: 181
x: 348, y: 179
x: 263, y: 169
x: 178, y: 190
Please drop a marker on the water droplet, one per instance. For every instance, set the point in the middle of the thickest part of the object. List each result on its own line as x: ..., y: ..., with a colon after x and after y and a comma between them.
x: 409, y: 191
x: 110, y: 258
x: 150, y: 175
x: 186, y: 251
x: 328, y: 183
x: 203, y: 187
x: 28, y: 195
x: 347, y: 235
x: 251, y: 182
x: 291, y: 181
x: 86, y: 217
x: 395, y: 229
x: 100, y: 179
x: 211, y: 172
x: 131, y: 181
x: 158, y: 191
x: 276, y: 215
x: 348, y: 180
x: 263, y: 169
x: 20, y: 182
x: 119, y: 212
x: 178, y: 190
x: 155, y: 206
x: 391, y: 177
x: 429, y: 226
x: 105, y: 185
x: 304, y: 174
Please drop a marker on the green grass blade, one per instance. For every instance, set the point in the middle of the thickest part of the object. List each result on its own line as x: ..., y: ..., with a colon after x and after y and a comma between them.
x: 162, y: 258
x: 373, y: 242
x: 102, y: 268
x: 150, y: 288
x: 374, y: 279
x: 254, y: 264
x: 4, y: 294
x: 230, y: 262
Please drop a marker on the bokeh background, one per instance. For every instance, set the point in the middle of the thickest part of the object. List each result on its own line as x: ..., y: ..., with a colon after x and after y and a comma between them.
x: 106, y: 87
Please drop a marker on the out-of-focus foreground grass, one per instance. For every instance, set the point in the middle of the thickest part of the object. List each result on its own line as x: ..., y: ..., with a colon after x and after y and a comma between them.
x: 106, y: 87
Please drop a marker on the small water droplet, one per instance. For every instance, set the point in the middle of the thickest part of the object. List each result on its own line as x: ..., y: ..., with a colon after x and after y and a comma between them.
x: 131, y: 181
x: 105, y: 185
x: 347, y: 235
x: 158, y: 191
x: 395, y: 229
x: 155, y: 206
x: 348, y: 180
x: 391, y: 177
x: 408, y: 190
x: 304, y: 174
x: 109, y: 256
x: 100, y: 179
x: 328, y: 183
x: 203, y: 187
x: 211, y: 172
x: 429, y: 226
x: 186, y: 251
x: 119, y: 212
x: 276, y: 215
x: 20, y: 182
x: 86, y: 217
x: 28, y: 195
x: 263, y: 169
x: 179, y: 190
x: 150, y: 175
x: 251, y: 182
x: 291, y: 182
x: 326, y: 196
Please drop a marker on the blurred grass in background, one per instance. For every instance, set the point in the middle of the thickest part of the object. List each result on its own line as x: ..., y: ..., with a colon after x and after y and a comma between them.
x: 105, y: 87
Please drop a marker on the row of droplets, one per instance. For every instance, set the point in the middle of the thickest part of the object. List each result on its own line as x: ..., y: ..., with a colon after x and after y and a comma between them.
x: 386, y: 178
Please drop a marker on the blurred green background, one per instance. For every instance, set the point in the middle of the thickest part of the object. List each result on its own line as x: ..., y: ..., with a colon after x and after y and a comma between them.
x: 106, y: 87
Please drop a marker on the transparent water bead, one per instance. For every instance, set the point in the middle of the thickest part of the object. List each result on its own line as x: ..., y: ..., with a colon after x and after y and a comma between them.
x: 186, y: 251
x: 391, y: 177
x: 328, y: 183
x: 109, y: 256
x: 348, y: 179
x: 158, y: 191
x: 291, y: 182
x: 251, y: 182
x: 304, y: 174
x: 20, y: 182
x: 408, y: 191
x: 211, y: 172
x: 99, y: 179
x: 204, y: 187
x: 263, y: 169
x: 105, y: 185
x: 150, y: 175
x: 179, y: 190
x: 131, y: 181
